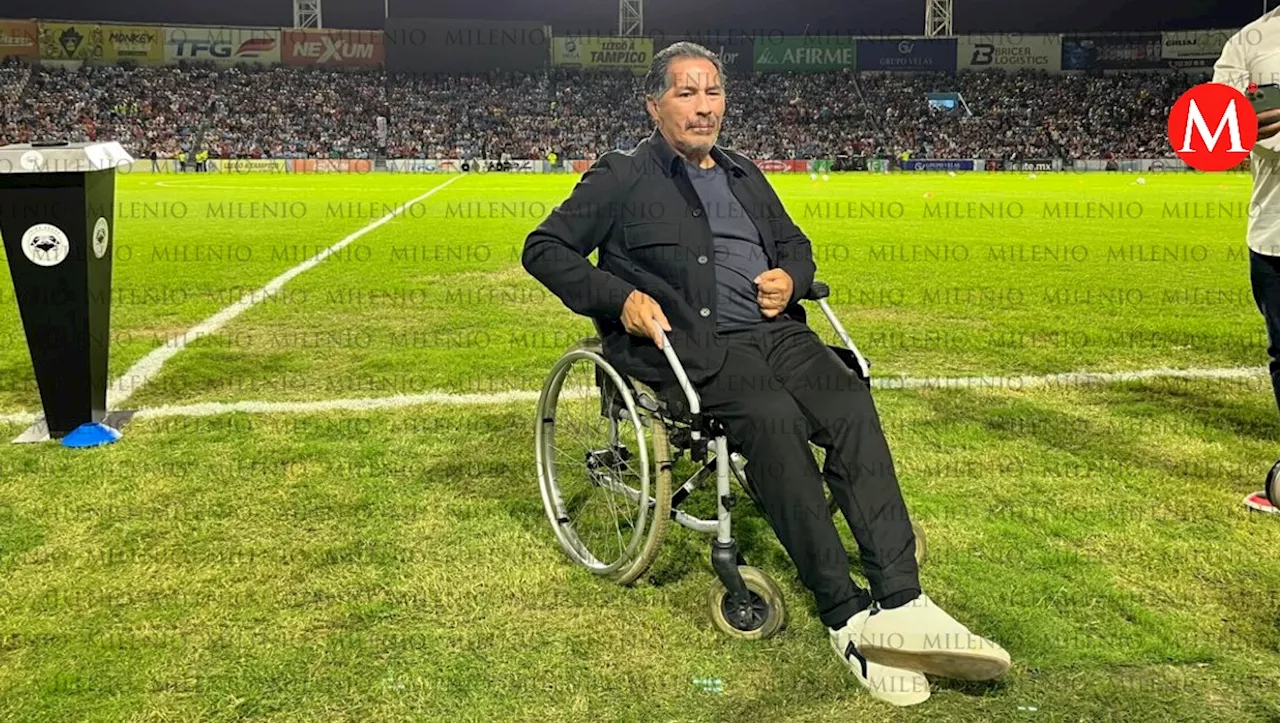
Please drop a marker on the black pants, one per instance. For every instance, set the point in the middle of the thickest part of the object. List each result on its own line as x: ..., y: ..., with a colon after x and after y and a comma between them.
x: 1264, y: 273
x: 781, y: 387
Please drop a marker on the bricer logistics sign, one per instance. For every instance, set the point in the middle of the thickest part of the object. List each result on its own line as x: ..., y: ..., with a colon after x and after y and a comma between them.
x: 1009, y: 51
x: 603, y: 52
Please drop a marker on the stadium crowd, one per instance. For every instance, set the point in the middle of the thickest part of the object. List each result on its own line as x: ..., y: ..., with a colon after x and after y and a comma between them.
x: 241, y: 111
x: 254, y: 112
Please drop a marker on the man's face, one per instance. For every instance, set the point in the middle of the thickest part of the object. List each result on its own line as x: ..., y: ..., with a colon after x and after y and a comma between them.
x: 689, y: 113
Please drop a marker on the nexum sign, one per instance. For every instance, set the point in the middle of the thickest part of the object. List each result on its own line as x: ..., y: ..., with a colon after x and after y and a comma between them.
x: 329, y: 50
x: 332, y: 47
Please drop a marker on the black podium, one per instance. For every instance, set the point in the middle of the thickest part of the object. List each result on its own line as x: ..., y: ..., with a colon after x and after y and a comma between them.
x: 57, y: 220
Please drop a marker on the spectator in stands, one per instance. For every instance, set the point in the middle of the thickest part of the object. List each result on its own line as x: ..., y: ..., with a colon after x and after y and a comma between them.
x: 299, y: 111
x: 289, y: 112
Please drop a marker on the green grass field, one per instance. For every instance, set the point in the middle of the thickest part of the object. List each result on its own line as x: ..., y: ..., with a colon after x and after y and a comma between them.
x: 397, y: 565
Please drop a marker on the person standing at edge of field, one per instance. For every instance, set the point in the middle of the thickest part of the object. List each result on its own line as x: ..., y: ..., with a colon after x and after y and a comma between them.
x: 1252, y: 56
x: 658, y: 214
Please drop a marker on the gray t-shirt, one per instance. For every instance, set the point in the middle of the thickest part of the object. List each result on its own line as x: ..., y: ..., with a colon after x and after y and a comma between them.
x: 739, y: 254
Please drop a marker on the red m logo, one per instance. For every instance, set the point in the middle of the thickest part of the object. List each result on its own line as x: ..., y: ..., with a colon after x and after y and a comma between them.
x: 1221, y: 108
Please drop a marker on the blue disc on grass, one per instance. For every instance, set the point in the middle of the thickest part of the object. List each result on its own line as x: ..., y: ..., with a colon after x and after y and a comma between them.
x: 93, y: 434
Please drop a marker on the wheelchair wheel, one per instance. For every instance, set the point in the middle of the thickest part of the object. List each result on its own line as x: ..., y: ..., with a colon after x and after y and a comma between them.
x: 1273, y: 485
x: 763, y: 617
x: 607, y: 497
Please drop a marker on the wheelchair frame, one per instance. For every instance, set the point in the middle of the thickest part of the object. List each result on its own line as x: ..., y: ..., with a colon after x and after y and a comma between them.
x: 746, y: 603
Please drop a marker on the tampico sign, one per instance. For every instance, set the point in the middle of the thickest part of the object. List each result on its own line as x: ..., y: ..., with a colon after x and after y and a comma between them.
x: 603, y: 52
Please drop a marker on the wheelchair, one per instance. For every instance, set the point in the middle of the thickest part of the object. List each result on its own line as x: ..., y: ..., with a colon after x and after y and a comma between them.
x: 606, y: 446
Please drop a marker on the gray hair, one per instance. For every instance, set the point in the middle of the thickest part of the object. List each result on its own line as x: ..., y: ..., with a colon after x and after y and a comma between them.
x: 658, y: 80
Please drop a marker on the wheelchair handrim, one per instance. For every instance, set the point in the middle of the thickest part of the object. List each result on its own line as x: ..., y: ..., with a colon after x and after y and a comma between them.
x: 553, y: 502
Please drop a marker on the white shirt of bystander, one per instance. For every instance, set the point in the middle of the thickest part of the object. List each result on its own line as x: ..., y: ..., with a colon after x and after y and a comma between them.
x: 1253, y: 56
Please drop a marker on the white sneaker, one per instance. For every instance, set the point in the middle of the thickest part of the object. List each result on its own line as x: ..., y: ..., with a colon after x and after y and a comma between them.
x: 893, y: 685
x: 922, y: 636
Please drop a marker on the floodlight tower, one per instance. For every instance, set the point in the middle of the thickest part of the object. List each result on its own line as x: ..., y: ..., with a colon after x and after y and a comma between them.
x: 630, y: 17
x: 937, y: 18
x: 307, y: 14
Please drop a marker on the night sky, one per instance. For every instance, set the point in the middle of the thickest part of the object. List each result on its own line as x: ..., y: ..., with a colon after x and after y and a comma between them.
x: 728, y: 17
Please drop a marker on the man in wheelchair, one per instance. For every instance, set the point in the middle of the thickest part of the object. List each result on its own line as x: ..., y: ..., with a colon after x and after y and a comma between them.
x: 695, y: 247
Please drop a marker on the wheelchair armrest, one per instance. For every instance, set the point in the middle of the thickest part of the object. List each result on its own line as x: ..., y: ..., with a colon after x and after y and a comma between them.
x: 817, y: 291
x: 695, y: 406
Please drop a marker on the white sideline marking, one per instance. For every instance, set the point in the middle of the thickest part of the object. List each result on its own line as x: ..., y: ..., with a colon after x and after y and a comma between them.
x: 149, y: 366
x: 494, y: 398
x: 164, y: 184
x: 355, y: 405
x: 1063, y: 379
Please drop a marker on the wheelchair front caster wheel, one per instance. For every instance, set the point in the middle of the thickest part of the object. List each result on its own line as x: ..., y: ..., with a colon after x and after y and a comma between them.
x: 1273, y: 485
x: 761, y: 617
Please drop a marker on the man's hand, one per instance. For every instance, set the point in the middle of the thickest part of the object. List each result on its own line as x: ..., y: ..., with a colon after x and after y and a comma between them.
x: 773, y: 291
x: 642, y: 316
x: 1268, y: 123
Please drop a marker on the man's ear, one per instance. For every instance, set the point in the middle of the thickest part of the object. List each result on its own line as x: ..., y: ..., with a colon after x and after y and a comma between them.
x: 652, y: 107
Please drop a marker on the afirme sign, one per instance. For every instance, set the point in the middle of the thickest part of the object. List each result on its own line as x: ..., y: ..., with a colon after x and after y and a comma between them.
x: 803, y: 53
x: 1009, y: 51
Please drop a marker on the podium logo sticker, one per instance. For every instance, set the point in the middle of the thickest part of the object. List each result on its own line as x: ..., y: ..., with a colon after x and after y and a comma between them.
x: 31, y: 160
x: 101, y: 237
x: 45, y: 245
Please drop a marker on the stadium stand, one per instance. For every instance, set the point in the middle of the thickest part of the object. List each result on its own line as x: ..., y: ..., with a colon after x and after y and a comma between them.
x: 284, y: 112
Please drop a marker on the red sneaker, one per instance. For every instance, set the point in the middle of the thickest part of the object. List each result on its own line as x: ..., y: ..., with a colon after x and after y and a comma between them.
x: 1258, y: 502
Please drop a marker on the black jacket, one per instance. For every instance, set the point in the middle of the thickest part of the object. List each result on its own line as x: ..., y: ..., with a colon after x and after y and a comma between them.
x: 642, y: 214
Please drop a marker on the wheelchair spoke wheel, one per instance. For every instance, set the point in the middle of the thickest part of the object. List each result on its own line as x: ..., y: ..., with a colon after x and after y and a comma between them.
x: 605, y: 489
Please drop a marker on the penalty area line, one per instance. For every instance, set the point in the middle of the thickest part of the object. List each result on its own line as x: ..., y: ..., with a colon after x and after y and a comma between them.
x: 147, y: 368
